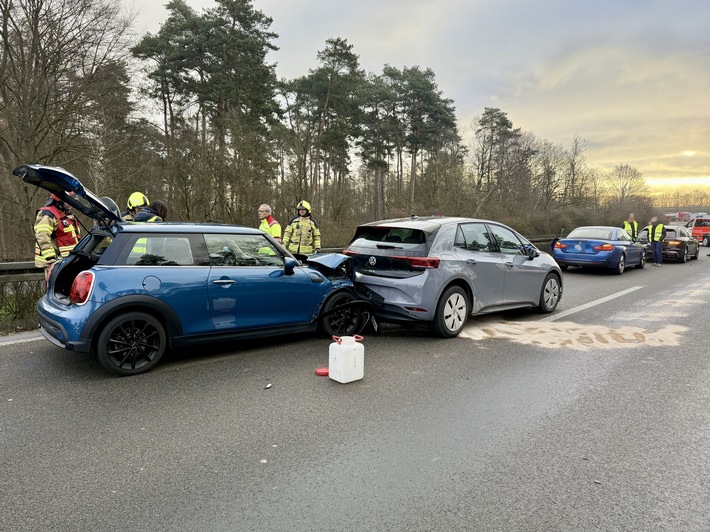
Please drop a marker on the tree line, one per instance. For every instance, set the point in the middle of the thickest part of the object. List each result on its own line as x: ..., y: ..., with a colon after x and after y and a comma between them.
x: 195, y: 115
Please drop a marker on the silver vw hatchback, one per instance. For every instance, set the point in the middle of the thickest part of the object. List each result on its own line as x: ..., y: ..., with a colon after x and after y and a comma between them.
x: 441, y: 270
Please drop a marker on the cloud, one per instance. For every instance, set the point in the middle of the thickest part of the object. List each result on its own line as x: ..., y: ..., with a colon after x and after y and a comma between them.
x: 631, y: 77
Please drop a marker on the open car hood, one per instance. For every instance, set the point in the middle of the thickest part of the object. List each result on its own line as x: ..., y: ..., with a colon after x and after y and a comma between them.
x: 68, y: 188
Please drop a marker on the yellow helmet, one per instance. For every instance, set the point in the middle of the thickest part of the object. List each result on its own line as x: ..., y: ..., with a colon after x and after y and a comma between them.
x: 137, y: 199
x: 303, y: 205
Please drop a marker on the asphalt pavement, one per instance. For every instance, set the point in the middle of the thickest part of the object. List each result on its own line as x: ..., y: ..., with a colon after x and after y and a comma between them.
x: 592, y: 418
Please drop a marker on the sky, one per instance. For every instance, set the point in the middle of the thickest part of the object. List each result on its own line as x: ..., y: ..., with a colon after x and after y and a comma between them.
x: 630, y: 77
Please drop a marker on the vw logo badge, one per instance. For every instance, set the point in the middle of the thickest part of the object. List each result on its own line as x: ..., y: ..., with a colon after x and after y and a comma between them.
x: 372, y: 261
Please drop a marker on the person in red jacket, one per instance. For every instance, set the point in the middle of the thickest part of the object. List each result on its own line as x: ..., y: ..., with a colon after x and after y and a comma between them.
x: 56, y: 233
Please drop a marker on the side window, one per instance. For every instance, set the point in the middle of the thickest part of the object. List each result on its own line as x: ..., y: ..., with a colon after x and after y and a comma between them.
x: 623, y: 236
x: 507, y: 240
x: 242, y: 250
x: 159, y: 250
x: 474, y: 237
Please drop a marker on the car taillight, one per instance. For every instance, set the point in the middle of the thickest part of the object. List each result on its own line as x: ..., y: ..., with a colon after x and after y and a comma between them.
x: 604, y: 247
x: 420, y: 262
x: 348, y: 252
x: 81, y: 288
x: 560, y: 245
x: 674, y: 243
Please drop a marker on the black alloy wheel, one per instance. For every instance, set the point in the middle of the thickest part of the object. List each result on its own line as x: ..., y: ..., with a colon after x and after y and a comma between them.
x: 341, y: 316
x: 131, y: 343
x: 642, y: 262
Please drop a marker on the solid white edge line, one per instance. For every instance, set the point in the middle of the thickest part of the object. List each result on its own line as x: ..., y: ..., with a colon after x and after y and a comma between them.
x: 22, y: 341
x: 554, y: 317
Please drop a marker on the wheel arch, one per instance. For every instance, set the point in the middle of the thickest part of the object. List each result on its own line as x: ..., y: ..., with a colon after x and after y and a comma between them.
x: 461, y: 283
x: 160, y: 310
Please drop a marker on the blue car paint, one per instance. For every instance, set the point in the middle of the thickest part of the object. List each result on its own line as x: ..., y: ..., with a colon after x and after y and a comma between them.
x: 581, y: 252
x: 252, y: 301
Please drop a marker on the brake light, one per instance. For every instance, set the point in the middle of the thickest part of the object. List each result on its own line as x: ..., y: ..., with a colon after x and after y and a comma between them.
x: 604, y: 247
x: 423, y: 263
x: 348, y: 252
x: 560, y: 245
x: 674, y: 242
x: 81, y: 288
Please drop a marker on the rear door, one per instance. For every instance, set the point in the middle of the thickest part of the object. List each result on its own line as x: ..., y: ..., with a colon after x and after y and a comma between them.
x: 248, y: 287
x: 476, y: 248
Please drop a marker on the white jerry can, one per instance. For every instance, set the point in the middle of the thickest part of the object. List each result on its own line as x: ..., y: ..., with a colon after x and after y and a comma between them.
x: 346, y: 359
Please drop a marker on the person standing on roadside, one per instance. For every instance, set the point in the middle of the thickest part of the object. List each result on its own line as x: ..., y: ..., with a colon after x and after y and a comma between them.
x: 56, y: 233
x: 631, y: 226
x: 268, y: 223
x: 656, y: 234
x: 302, y: 236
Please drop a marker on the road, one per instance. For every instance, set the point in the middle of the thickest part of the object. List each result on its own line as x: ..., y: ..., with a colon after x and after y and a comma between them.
x: 596, y: 417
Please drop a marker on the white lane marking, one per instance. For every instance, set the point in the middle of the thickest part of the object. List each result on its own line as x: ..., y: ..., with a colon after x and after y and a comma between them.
x: 22, y: 341
x: 555, y: 317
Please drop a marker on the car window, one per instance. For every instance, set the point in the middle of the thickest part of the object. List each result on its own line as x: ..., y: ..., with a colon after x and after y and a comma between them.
x: 623, y: 236
x: 507, y: 241
x: 474, y: 237
x: 158, y: 250
x: 242, y: 250
x: 390, y: 237
x: 596, y: 233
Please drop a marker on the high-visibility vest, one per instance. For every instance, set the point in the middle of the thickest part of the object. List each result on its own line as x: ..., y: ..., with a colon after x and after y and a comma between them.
x: 632, y: 228
x: 655, y: 233
x: 271, y: 227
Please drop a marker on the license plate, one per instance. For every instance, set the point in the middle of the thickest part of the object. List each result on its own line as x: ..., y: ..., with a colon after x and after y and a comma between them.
x: 578, y: 247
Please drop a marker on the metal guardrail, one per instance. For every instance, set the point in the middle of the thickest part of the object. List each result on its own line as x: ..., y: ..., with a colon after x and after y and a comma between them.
x: 12, y: 272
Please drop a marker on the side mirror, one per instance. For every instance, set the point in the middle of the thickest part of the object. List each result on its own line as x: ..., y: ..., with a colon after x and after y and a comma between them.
x: 531, y: 252
x: 289, y: 265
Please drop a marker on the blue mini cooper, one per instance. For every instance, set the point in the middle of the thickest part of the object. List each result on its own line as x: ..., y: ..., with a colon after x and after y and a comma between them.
x: 129, y: 291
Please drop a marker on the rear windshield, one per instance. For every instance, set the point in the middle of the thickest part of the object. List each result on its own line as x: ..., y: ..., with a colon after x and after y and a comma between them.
x: 591, y: 232
x: 390, y: 238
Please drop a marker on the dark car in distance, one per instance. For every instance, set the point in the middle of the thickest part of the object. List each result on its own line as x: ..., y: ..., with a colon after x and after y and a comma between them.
x: 679, y: 244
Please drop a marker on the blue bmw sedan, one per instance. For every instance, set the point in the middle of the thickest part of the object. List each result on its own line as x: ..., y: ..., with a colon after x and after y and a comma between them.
x: 600, y: 246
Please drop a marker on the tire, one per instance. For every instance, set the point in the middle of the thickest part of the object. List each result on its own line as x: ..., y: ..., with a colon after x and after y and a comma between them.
x: 550, y: 294
x: 451, y: 312
x: 131, y: 343
x: 684, y: 256
x: 343, y: 322
x: 621, y: 265
x: 697, y: 253
x: 706, y: 241
x: 641, y: 265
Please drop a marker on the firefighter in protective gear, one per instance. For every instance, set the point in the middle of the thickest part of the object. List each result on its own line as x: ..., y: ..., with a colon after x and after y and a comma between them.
x: 136, y: 202
x: 268, y: 223
x: 302, y: 235
x: 56, y: 233
x: 631, y: 226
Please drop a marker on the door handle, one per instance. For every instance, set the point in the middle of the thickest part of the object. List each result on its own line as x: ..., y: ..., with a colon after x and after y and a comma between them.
x: 223, y: 281
x: 509, y: 264
x: 470, y: 261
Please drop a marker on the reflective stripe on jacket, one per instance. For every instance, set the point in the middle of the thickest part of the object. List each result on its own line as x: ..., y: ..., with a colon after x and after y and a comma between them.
x: 56, y: 234
x: 302, y: 236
